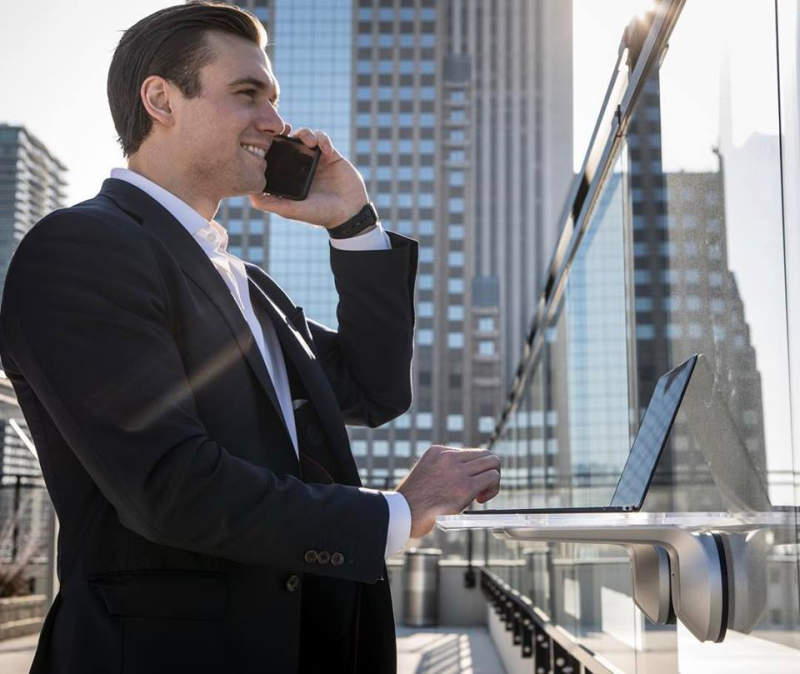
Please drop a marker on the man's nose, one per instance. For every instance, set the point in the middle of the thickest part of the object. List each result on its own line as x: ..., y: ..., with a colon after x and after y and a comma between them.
x: 270, y: 121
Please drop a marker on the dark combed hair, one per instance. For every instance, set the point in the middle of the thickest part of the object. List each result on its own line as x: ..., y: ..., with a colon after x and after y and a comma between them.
x: 170, y: 43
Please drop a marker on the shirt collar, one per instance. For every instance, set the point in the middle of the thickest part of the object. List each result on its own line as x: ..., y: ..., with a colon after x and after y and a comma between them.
x: 209, y: 234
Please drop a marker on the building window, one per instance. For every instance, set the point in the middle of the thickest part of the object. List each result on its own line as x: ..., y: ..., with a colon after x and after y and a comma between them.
x: 424, y: 309
x: 455, y: 340
x: 455, y: 312
x: 486, y: 324
x: 455, y: 422
x: 645, y: 331
x: 426, y: 226
x: 486, y: 348
x: 359, y: 447
x: 486, y: 424
x: 456, y: 178
x: 402, y: 448
x: 424, y: 420
x: 425, y: 337
x: 455, y: 285
x: 380, y: 448
x: 674, y: 331
x: 455, y: 258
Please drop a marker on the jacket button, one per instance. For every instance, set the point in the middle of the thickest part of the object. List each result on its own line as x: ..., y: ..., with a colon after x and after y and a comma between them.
x: 292, y: 583
x: 337, y: 559
x: 310, y: 557
x: 324, y: 557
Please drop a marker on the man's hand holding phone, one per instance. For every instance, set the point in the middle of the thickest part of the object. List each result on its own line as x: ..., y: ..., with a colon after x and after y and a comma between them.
x: 337, y: 190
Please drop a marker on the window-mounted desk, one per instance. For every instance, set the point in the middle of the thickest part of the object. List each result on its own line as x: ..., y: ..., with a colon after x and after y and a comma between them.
x: 706, y: 568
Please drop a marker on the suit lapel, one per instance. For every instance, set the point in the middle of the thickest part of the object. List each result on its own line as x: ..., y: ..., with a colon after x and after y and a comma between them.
x: 195, y: 263
x: 297, y: 349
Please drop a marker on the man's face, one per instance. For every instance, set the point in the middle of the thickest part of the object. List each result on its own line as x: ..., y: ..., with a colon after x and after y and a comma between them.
x: 235, y: 107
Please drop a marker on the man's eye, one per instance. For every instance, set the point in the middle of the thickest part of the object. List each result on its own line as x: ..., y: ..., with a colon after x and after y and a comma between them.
x: 249, y: 92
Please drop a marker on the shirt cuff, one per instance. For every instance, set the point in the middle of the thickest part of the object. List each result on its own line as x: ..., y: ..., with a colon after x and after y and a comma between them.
x: 399, y: 522
x: 374, y: 239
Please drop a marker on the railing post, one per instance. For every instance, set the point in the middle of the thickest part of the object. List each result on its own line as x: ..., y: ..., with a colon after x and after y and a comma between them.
x: 15, y: 511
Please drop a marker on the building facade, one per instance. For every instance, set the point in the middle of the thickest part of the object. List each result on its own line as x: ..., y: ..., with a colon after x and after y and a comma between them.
x: 452, y: 133
x: 32, y: 183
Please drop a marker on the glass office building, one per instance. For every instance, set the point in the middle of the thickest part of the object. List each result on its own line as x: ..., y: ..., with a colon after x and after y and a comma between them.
x: 465, y: 145
x: 681, y: 235
x: 309, y: 46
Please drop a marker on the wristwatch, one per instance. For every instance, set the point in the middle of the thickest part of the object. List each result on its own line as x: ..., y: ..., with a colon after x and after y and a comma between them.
x: 366, y: 218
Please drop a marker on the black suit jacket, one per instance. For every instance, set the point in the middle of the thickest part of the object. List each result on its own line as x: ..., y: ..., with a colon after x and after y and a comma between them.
x: 186, y: 519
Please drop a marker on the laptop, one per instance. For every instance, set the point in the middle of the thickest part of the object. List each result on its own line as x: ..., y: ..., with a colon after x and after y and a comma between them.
x: 645, y: 453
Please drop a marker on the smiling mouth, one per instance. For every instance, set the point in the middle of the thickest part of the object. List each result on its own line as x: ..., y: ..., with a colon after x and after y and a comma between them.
x: 259, y: 152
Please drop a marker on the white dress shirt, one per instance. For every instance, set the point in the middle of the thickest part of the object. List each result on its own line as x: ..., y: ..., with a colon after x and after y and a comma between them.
x: 213, y: 239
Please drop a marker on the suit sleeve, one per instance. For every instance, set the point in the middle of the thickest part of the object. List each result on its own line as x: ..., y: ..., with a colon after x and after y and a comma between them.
x: 368, y: 361
x: 86, y: 325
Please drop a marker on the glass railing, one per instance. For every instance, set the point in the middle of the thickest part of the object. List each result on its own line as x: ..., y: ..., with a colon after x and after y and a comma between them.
x: 672, y: 243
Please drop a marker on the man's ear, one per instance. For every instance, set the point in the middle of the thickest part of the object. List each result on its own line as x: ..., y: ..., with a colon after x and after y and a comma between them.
x: 155, y: 94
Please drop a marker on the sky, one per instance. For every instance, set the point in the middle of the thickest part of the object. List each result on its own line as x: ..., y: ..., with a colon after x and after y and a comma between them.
x: 53, y: 79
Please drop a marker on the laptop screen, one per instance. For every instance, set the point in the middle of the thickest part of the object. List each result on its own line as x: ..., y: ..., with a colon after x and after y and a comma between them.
x: 652, y: 435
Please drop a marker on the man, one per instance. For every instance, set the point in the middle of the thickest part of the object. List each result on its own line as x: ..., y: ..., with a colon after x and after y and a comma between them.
x: 189, y: 419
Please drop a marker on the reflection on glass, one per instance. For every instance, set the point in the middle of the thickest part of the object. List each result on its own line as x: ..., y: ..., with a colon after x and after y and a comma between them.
x: 684, y: 254
x: 597, y: 369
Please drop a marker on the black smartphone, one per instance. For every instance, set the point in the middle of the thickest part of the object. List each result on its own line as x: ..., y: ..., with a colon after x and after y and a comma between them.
x: 290, y: 168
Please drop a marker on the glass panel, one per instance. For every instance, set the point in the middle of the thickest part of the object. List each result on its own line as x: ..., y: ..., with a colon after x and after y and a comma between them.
x: 788, y: 40
x: 708, y: 236
x: 597, y: 352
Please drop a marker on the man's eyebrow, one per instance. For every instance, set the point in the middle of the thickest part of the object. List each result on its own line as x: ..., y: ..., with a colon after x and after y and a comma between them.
x: 261, y: 85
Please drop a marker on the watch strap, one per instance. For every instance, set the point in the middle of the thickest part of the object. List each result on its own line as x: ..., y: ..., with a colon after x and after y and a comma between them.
x: 366, y: 218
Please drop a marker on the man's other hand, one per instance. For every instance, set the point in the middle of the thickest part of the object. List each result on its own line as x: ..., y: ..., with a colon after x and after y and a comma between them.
x: 446, y: 480
x: 337, y: 191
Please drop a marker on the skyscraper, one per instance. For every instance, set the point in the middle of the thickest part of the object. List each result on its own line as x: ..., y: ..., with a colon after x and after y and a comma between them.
x: 31, y: 185
x: 309, y: 46
x: 687, y: 300
x: 462, y: 129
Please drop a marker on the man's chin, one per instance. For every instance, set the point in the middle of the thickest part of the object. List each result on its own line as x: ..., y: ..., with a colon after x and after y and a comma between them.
x: 247, y: 187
